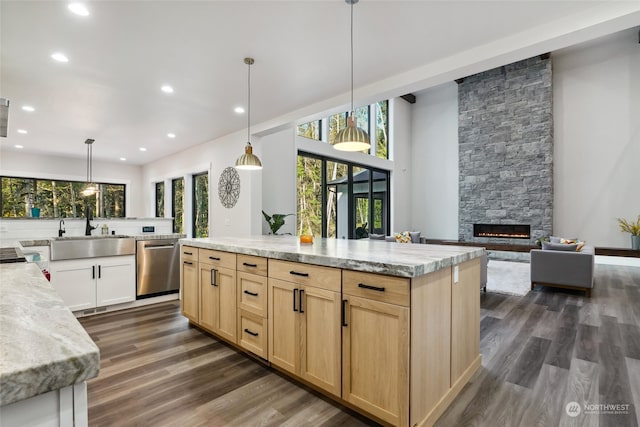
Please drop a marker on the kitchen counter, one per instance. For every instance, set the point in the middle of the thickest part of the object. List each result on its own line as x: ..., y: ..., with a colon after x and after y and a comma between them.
x: 375, y: 256
x: 46, y: 242
x: 42, y: 345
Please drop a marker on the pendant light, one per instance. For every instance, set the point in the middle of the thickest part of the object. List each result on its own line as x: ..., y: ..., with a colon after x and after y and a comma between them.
x: 248, y: 160
x: 91, y: 187
x: 351, y: 138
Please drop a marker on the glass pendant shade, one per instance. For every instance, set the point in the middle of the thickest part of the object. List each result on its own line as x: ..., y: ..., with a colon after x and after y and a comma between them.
x: 351, y: 138
x: 248, y: 161
x: 90, y: 188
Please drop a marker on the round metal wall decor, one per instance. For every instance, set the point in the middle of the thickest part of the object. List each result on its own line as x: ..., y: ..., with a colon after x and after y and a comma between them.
x: 229, y: 187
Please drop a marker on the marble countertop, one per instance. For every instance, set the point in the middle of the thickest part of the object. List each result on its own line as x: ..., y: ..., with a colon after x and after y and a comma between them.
x: 42, y: 345
x: 376, y: 256
x: 26, y: 243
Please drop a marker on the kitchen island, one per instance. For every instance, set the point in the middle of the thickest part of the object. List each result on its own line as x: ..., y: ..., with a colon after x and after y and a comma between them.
x: 46, y: 356
x: 391, y: 330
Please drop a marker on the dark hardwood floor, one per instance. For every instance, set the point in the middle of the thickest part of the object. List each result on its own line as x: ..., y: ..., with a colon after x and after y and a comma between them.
x: 539, y: 353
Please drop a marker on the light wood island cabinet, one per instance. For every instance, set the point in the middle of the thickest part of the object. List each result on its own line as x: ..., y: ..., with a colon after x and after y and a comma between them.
x: 398, y: 348
x: 189, y: 288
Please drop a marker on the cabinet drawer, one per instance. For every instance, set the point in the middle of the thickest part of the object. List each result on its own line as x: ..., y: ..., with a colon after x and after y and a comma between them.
x: 252, y: 264
x: 252, y: 293
x: 188, y: 253
x: 306, y: 274
x: 389, y: 289
x: 218, y: 258
x: 252, y: 333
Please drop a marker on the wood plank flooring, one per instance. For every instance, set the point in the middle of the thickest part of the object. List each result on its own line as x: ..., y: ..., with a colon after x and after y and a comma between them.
x: 540, y: 352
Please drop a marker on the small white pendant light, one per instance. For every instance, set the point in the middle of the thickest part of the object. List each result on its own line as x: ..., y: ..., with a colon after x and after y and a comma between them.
x: 91, y: 188
x: 248, y: 161
x: 351, y: 138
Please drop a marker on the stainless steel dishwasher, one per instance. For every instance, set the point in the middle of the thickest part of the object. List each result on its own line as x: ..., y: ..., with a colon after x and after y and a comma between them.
x: 158, y: 267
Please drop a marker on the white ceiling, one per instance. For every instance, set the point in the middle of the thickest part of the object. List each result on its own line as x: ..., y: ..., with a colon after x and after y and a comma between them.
x: 124, y: 51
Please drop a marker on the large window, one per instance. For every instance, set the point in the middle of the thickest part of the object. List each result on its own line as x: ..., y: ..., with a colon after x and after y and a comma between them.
x: 59, y: 199
x: 374, y: 119
x: 201, y: 205
x: 160, y: 199
x: 177, y: 207
x: 340, y: 199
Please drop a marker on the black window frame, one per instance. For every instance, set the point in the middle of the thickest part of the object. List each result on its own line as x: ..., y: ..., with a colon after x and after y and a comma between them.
x: 193, y: 202
x: 158, y: 184
x: 173, y: 203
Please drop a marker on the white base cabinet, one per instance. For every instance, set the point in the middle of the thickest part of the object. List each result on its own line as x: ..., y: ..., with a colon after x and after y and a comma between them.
x: 94, y: 282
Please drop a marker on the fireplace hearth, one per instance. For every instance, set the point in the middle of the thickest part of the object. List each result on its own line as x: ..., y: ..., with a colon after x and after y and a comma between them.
x: 502, y: 231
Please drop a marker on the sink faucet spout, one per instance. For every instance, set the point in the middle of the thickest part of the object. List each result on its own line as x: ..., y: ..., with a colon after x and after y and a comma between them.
x: 61, y: 230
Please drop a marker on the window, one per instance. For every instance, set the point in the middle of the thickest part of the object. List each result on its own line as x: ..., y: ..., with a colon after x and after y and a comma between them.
x: 177, y: 208
x: 374, y: 119
x: 59, y: 199
x: 201, y: 205
x: 160, y: 199
x: 340, y: 199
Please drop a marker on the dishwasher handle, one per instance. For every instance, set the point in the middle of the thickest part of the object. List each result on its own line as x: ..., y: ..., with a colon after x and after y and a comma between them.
x: 163, y: 246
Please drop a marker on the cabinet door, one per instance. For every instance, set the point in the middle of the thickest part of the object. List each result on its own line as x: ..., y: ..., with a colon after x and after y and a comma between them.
x: 189, y: 289
x: 226, y: 304
x: 465, y: 318
x: 375, y: 358
x: 75, y: 282
x: 116, y: 280
x: 320, y: 358
x: 209, y: 297
x: 284, y: 325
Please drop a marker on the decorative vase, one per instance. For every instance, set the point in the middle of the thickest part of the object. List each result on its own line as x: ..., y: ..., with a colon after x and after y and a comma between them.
x: 635, y: 243
x: 35, y: 212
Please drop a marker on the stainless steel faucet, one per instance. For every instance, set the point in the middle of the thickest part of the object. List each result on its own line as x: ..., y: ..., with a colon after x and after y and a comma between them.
x: 61, y: 230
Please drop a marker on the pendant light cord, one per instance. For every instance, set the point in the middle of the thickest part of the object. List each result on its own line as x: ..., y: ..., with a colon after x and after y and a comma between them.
x: 249, y: 105
x: 351, y: 112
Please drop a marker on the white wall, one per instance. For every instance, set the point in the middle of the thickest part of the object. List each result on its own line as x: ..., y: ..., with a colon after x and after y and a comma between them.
x: 244, y: 219
x: 401, y: 180
x: 597, y: 138
x: 14, y: 163
x: 279, y: 159
x: 434, y: 127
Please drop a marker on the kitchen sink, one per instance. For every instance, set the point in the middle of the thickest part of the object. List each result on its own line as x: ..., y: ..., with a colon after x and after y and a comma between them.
x: 77, y: 247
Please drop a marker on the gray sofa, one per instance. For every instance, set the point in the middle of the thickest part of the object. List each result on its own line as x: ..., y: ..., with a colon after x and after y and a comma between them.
x: 563, y: 269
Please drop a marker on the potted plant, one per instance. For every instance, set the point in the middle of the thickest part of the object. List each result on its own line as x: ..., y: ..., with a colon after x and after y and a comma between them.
x: 275, y: 221
x: 632, y: 227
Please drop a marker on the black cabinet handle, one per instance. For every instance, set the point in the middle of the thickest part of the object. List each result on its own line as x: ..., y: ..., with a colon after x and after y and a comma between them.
x: 250, y: 332
x: 246, y: 264
x: 93, y: 272
x: 253, y: 294
x: 295, y: 293
x: 373, y: 288
x: 344, y: 312
x: 213, y: 277
x: 187, y: 262
x: 295, y: 273
x: 188, y: 253
x: 215, y: 258
x: 99, y: 271
x: 301, y: 293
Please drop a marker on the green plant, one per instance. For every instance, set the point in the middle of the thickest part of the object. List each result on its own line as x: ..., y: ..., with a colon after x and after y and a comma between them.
x: 275, y: 221
x: 632, y: 227
x: 541, y: 239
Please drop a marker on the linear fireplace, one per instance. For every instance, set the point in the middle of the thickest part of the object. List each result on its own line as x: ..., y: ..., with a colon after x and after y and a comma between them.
x: 499, y: 231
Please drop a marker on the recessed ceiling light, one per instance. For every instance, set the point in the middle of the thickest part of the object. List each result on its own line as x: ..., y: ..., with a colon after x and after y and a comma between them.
x: 166, y: 89
x: 171, y: 135
x: 60, y: 57
x: 22, y: 131
x: 18, y: 146
x: 143, y: 149
x: 28, y: 108
x: 123, y: 158
x: 78, y: 9
x: 239, y: 110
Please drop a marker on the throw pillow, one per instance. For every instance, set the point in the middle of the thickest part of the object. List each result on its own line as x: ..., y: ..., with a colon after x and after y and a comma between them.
x: 376, y: 236
x: 556, y: 239
x: 548, y: 246
x: 403, y: 237
x: 580, y: 245
x: 415, y: 236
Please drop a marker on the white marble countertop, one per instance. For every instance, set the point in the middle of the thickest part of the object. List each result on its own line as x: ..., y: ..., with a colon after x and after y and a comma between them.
x: 376, y: 256
x: 42, y: 345
x: 26, y: 243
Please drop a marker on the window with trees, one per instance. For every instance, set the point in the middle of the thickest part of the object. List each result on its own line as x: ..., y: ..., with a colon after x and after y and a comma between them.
x: 201, y: 205
x: 341, y: 199
x: 372, y: 118
x: 177, y: 207
x: 59, y: 199
x: 160, y: 199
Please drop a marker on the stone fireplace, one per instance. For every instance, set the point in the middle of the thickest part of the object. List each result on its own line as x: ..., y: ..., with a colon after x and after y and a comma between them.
x: 506, y: 151
x: 497, y: 231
